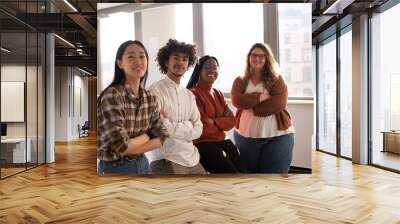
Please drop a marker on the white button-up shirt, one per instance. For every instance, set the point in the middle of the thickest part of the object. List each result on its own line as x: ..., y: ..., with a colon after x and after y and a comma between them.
x: 181, y: 118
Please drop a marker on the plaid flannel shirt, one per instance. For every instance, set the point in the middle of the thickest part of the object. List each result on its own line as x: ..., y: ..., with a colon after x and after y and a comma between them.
x: 121, y: 115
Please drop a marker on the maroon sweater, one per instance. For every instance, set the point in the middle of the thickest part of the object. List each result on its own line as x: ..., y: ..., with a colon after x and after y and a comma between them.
x: 212, y: 104
x: 276, y: 104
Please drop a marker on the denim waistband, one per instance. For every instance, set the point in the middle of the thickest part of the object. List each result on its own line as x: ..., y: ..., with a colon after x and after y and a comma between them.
x: 123, y: 159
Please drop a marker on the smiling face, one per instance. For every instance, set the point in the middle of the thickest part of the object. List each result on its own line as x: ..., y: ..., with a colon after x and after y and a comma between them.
x: 177, y: 64
x: 133, y: 62
x: 257, y: 59
x: 209, y: 71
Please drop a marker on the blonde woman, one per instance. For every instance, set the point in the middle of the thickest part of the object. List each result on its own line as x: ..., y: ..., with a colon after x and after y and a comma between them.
x: 263, y: 132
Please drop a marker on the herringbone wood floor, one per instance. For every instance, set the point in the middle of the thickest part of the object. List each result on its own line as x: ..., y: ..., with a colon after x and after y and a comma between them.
x: 70, y: 191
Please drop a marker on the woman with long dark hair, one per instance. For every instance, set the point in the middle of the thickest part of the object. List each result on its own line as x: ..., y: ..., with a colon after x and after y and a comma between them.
x: 217, y: 155
x: 128, y: 120
x: 263, y: 132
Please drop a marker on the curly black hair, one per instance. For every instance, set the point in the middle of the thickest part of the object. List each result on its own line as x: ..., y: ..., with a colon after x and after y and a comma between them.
x: 173, y: 46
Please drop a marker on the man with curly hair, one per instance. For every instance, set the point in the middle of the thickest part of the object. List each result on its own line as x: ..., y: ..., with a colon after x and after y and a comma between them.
x: 178, y: 111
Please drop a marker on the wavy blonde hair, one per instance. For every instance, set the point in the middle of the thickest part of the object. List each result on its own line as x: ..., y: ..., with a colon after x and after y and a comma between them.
x: 271, y: 66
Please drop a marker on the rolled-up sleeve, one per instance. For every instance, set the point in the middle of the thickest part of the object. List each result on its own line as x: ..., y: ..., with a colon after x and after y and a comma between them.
x: 195, y: 133
x: 277, y: 101
x: 240, y: 99
x: 157, y: 129
x: 112, y: 124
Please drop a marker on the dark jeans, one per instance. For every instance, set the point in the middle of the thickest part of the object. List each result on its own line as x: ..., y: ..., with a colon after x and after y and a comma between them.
x: 266, y: 155
x: 220, y: 157
x: 134, y: 165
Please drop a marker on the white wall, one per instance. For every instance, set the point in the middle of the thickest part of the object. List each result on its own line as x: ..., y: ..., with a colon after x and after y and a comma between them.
x: 82, y: 84
x: 34, y: 124
x: 12, y: 73
x: 68, y: 83
x: 303, y: 121
x: 156, y: 33
x: 61, y: 103
x: 109, y: 36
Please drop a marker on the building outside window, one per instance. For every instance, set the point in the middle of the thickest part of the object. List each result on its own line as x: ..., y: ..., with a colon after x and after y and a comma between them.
x: 295, y: 47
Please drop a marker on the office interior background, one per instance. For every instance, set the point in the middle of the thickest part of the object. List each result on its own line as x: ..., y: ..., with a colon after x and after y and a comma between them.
x: 319, y: 78
x: 30, y: 90
x: 345, y: 85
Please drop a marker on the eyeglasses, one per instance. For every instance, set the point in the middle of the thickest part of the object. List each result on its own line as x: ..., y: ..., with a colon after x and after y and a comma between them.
x: 259, y: 56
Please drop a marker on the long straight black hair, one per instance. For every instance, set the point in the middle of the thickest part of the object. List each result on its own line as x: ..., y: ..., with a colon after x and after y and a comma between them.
x: 194, y: 79
x: 119, y: 74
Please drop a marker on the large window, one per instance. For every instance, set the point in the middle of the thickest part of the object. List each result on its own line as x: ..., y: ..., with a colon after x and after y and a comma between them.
x: 327, y: 96
x: 177, y: 23
x: 333, y: 137
x: 385, y: 84
x: 229, y: 36
x: 110, y: 41
x: 295, y: 48
x: 346, y: 93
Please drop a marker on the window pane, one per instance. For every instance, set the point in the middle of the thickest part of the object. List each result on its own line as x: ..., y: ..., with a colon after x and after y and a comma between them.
x: 229, y: 37
x: 13, y: 85
x: 385, y: 87
x: 327, y: 97
x: 177, y: 23
x: 32, y: 100
x: 346, y: 94
x: 111, y: 36
x: 295, y: 48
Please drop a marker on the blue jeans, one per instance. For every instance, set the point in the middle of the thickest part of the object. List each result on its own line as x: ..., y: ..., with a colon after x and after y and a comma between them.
x: 137, y: 165
x: 265, y: 155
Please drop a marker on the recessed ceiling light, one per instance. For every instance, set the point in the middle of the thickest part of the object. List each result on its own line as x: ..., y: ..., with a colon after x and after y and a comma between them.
x: 337, y: 7
x: 5, y: 50
x: 70, y: 5
x: 64, y: 40
x: 86, y: 72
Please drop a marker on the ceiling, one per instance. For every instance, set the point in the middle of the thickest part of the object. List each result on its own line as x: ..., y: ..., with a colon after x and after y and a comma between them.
x: 331, y: 15
x: 109, y: 5
x: 76, y: 23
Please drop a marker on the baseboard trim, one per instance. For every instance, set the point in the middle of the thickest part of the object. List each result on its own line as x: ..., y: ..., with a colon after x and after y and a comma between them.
x: 300, y: 170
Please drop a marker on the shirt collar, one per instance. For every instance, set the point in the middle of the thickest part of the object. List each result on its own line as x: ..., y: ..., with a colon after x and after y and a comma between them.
x: 131, y: 93
x: 170, y: 82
